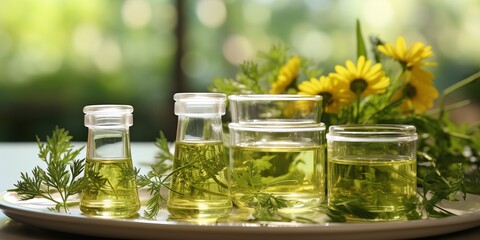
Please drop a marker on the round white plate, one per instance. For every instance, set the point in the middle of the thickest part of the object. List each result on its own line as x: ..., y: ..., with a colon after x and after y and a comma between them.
x: 35, y: 212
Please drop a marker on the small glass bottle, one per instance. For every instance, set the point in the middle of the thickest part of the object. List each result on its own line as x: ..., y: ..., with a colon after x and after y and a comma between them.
x: 111, y: 189
x: 199, y: 188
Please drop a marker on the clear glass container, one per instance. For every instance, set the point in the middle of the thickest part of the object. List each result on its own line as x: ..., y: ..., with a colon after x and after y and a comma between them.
x: 289, y: 161
x: 372, y: 167
x: 111, y: 189
x: 281, y: 141
x: 199, y: 188
x: 275, y: 108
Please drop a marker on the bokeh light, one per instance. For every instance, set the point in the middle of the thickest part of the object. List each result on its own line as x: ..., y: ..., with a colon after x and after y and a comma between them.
x: 56, y: 56
x: 311, y: 43
x: 107, y: 55
x: 237, y: 49
x: 255, y: 13
x: 211, y: 13
x: 378, y: 13
x: 136, y: 13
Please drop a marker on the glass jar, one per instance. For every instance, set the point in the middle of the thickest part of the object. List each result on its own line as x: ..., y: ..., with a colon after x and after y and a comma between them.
x: 199, y: 188
x: 275, y: 108
x: 111, y: 189
x: 372, y: 168
x: 288, y: 161
x: 279, y: 143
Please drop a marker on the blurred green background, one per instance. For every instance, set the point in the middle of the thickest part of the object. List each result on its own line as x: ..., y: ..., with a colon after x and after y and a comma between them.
x: 57, y: 56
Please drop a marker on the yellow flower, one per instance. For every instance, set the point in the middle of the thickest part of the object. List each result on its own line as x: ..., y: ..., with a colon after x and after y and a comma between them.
x: 418, y: 94
x: 287, y: 74
x: 420, y: 74
x: 418, y: 90
x: 409, y: 56
x: 333, y: 92
x: 362, y: 79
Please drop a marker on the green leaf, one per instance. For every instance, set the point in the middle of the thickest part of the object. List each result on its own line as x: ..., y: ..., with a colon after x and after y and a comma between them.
x: 361, y: 50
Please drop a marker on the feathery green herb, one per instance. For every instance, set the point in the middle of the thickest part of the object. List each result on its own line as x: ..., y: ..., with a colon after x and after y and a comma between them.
x: 61, y: 176
x: 199, y: 181
x: 267, y: 204
x: 157, y: 178
x: 250, y: 180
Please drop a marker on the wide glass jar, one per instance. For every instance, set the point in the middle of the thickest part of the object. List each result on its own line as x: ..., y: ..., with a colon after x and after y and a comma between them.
x: 372, y: 168
x: 277, y: 149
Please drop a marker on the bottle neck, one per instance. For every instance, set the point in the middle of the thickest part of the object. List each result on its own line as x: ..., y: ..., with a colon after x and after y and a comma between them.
x: 108, y: 143
x: 195, y: 129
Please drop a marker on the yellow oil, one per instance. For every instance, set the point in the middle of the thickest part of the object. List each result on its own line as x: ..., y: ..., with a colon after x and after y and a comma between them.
x: 111, y: 189
x: 296, y: 169
x: 199, y: 189
x: 383, y: 185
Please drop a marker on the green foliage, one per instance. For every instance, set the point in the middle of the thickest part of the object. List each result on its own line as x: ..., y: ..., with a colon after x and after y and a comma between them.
x: 61, y: 176
x: 256, y: 77
x: 361, y: 50
x: 447, y: 154
x: 267, y: 204
x: 95, y: 181
x: 157, y: 178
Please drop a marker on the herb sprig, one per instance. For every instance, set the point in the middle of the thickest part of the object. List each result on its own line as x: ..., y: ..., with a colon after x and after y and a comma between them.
x: 266, y: 209
x: 61, y: 176
x: 157, y: 178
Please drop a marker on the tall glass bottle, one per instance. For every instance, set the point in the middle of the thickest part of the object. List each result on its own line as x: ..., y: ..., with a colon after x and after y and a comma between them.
x: 111, y: 189
x: 199, y: 186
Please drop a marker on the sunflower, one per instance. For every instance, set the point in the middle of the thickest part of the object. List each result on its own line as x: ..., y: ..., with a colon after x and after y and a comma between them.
x: 362, y: 79
x: 333, y: 92
x: 418, y: 94
x: 287, y: 74
x: 409, y: 56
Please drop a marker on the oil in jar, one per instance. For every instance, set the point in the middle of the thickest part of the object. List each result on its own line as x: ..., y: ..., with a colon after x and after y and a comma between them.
x: 111, y: 189
x: 292, y: 171
x: 199, y: 188
x: 385, y: 186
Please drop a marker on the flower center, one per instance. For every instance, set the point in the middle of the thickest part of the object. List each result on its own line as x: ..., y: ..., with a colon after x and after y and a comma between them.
x: 327, y: 98
x: 404, y: 66
x: 409, y: 91
x: 358, y: 86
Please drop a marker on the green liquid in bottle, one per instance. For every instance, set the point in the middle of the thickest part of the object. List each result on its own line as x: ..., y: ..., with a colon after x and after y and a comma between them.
x: 111, y: 189
x: 289, y: 170
x: 199, y: 188
x: 384, y: 186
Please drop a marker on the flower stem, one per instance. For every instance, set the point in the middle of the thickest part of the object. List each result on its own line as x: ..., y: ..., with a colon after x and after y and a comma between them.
x: 357, y: 115
x: 454, y: 88
x: 449, y: 108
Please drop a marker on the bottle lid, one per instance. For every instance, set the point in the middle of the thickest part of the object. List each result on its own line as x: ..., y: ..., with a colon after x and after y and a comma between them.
x: 372, y: 133
x: 275, y: 109
x: 199, y: 104
x: 108, y: 115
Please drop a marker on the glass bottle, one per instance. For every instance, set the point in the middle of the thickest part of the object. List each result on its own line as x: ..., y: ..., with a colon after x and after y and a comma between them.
x: 111, y: 189
x: 199, y: 186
